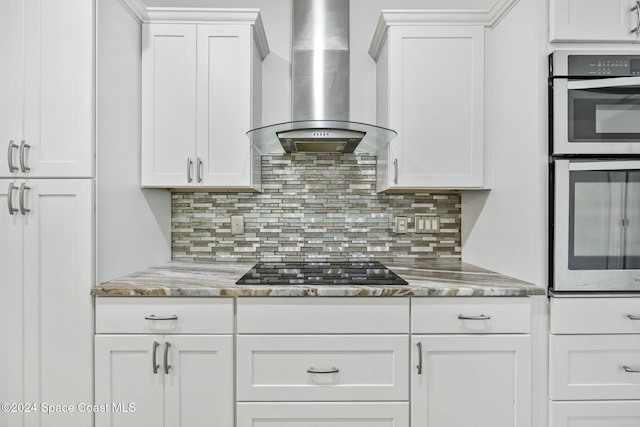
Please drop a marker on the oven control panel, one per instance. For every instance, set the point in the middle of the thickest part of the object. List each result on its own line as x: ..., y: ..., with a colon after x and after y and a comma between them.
x: 604, y: 65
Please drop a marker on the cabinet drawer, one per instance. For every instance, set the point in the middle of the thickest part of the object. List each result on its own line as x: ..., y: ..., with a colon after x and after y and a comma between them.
x: 470, y: 315
x: 323, y: 315
x: 356, y: 367
x: 591, y: 367
x: 591, y: 414
x: 130, y: 315
x: 595, y: 315
x: 379, y: 414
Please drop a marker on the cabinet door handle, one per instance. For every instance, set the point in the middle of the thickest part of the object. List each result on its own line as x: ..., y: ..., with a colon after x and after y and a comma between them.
x: 23, y: 157
x: 154, y: 317
x: 154, y: 364
x: 633, y: 316
x: 189, y: 170
x: 166, y: 357
x: 12, y: 210
x: 480, y: 317
x: 21, y: 199
x: 419, y: 365
x: 636, y: 8
x: 395, y: 171
x: 631, y: 370
x: 12, y: 167
x: 199, y: 169
x: 332, y: 370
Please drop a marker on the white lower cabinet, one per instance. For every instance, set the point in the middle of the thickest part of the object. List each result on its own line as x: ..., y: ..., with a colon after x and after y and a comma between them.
x: 46, y: 274
x: 334, y: 414
x: 308, y: 374
x: 170, y: 377
x: 476, y: 370
x: 594, y: 362
x: 595, y: 414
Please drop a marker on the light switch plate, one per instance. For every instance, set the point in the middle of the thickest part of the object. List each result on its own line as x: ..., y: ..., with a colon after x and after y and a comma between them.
x: 427, y: 224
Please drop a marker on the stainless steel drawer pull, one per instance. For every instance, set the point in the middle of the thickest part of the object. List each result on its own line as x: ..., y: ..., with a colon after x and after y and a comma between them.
x: 631, y: 370
x: 395, y: 171
x: 154, y: 364
x: 154, y: 317
x: 199, y: 170
x: 189, y: 170
x: 12, y: 167
x: 634, y: 316
x: 636, y: 8
x: 323, y: 371
x: 23, y: 162
x: 12, y: 210
x: 419, y: 366
x: 166, y: 357
x: 23, y: 188
x: 480, y: 317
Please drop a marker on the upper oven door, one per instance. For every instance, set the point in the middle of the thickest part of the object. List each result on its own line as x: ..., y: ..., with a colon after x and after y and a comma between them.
x: 596, y: 225
x: 596, y: 116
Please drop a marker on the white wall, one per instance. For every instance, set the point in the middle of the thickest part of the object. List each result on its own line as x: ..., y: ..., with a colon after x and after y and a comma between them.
x: 505, y: 229
x: 133, y: 225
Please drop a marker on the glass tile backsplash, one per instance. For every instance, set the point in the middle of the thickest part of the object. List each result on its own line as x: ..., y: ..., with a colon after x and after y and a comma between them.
x: 313, y: 207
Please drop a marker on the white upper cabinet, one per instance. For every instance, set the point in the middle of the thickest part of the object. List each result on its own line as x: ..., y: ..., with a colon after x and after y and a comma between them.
x: 46, y: 88
x: 430, y: 89
x: 594, y: 20
x: 201, y: 93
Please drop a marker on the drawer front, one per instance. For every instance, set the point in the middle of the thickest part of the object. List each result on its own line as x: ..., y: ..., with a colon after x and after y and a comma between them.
x: 592, y: 367
x: 321, y: 368
x: 592, y: 414
x: 595, y: 315
x: 470, y: 315
x: 164, y: 315
x: 323, y: 315
x: 379, y: 414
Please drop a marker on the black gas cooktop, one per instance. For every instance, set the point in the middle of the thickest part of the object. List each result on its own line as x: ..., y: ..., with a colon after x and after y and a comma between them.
x: 320, y: 273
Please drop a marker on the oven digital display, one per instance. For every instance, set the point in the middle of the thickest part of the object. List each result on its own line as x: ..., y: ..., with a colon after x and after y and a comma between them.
x: 635, y: 66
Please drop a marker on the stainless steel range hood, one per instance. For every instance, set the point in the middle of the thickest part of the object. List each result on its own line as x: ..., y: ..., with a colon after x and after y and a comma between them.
x: 320, y: 89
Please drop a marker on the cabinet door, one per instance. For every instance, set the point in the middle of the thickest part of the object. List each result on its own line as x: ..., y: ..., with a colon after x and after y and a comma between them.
x: 436, y: 104
x: 466, y: 380
x: 224, y: 105
x: 199, y: 385
x: 594, y: 414
x: 592, y: 20
x: 58, y: 276
x: 336, y: 414
x: 124, y: 374
x: 169, y: 105
x: 58, y: 90
x: 11, y: 301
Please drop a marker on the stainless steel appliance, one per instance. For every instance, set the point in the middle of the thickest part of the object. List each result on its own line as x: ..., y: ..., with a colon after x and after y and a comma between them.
x: 595, y: 102
x: 594, y: 172
x: 362, y: 273
x: 320, y: 89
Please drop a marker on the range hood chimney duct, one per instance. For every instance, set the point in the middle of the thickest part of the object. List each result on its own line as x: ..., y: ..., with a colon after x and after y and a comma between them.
x: 320, y: 88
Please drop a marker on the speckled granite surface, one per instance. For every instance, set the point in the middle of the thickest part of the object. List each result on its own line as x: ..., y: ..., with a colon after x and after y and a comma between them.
x: 426, y: 279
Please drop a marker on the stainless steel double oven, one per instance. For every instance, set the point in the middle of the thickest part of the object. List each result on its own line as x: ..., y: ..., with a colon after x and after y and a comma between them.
x: 594, y: 146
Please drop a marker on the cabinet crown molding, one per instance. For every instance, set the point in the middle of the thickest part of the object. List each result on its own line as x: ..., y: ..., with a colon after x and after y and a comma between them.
x: 487, y: 17
x: 201, y: 15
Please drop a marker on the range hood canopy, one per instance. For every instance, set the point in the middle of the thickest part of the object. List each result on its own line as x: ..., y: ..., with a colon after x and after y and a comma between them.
x: 320, y: 89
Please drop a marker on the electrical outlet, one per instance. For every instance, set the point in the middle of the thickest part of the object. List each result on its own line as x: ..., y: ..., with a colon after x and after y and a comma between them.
x: 401, y: 224
x: 237, y: 224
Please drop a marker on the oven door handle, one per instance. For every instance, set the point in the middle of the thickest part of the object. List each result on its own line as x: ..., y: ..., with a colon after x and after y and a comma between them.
x: 604, y: 165
x: 603, y: 83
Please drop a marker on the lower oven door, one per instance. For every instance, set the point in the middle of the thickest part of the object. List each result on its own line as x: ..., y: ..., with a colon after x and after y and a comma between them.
x: 596, y: 116
x: 596, y: 225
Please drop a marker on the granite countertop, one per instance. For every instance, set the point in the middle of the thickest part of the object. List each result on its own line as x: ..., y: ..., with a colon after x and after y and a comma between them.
x: 426, y: 279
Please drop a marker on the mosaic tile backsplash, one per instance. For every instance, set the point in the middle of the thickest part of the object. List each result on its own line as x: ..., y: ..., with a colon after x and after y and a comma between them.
x: 313, y: 207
